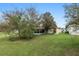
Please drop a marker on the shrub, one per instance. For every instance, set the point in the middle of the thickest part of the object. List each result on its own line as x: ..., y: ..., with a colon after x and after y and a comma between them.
x: 21, y: 22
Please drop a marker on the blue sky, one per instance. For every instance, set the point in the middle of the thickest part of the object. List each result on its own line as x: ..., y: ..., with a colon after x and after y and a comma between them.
x: 57, y: 10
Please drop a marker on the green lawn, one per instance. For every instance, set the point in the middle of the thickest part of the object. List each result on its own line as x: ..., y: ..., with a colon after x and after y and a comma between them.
x: 43, y: 45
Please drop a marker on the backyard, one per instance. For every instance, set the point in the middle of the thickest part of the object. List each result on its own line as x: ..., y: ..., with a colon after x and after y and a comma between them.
x: 48, y: 45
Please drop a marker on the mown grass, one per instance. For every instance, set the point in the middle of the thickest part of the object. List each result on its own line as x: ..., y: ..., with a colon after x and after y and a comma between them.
x: 43, y: 45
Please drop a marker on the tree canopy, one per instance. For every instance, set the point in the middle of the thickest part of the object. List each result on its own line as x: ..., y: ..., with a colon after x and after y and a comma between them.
x: 48, y: 21
x: 72, y: 14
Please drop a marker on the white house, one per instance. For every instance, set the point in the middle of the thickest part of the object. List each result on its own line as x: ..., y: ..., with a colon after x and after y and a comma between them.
x: 73, y: 29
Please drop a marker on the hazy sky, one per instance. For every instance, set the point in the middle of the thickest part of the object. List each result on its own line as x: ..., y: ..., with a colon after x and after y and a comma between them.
x: 57, y: 10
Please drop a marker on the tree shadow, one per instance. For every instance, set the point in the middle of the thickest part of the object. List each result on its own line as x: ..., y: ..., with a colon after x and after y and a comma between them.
x: 20, y: 38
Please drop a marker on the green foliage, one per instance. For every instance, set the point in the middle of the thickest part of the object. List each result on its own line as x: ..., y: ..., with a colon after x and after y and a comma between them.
x: 27, y: 30
x: 23, y: 23
x: 43, y: 45
x: 72, y: 14
x: 20, y: 23
x: 48, y: 21
x: 3, y: 26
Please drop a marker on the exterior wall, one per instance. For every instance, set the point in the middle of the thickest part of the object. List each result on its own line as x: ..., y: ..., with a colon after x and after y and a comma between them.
x: 58, y: 30
x: 51, y: 31
x: 73, y: 30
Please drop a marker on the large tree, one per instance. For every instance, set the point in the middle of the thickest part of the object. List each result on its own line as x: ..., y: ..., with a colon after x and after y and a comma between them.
x: 72, y: 14
x: 48, y: 21
x: 13, y: 19
x: 3, y: 26
x: 21, y: 21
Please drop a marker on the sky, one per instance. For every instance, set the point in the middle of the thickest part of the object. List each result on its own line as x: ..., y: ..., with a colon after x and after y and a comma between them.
x: 56, y: 9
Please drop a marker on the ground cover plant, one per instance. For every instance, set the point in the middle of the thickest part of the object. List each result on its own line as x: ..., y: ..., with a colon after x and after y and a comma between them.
x: 62, y: 44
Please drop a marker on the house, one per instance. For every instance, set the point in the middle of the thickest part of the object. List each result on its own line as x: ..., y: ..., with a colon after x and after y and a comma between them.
x: 40, y: 29
x: 59, y: 30
x: 51, y: 31
x: 73, y: 29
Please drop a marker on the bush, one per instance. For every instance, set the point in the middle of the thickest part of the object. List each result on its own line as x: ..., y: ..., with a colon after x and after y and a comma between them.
x: 67, y: 32
x: 21, y: 22
x: 27, y: 32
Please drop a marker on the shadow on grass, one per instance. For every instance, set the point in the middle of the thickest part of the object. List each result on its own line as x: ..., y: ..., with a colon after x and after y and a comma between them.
x: 20, y: 38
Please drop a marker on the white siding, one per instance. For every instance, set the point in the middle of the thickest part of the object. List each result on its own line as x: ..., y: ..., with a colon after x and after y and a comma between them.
x: 73, y: 30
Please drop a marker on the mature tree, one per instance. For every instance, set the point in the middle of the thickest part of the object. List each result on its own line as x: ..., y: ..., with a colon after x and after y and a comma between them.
x: 48, y: 21
x: 32, y: 14
x: 13, y: 19
x: 72, y: 14
x: 3, y: 26
x: 21, y: 22
x: 30, y: 19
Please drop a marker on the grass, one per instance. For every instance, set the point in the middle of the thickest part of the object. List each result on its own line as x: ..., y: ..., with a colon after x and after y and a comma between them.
x: 43, y: 45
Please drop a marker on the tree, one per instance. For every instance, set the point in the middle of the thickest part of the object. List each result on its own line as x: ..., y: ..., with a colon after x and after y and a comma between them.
x: 48, y: 21
x: 72, y: 14
x: 21, y: 22
x: 3, y: 26
x: 32, y: 14
x: 13, y: 19
x: 31, y: 17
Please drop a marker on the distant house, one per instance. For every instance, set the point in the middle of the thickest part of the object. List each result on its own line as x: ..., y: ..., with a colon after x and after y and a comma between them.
x: 59, y: 30
x: 73, y: 29
x: 40, y: 29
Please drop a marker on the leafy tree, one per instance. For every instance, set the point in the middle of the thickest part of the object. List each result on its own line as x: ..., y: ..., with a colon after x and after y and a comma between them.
x: 48, y: 21
x: 21, y: 22
x: 32, y: 14
x: 72, y: 14
x: 13, y: 19
x: 3, y: 26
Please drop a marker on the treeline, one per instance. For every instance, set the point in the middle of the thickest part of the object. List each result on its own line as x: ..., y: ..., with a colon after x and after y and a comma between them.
x: 23, y: 23
x: 72, y: 14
